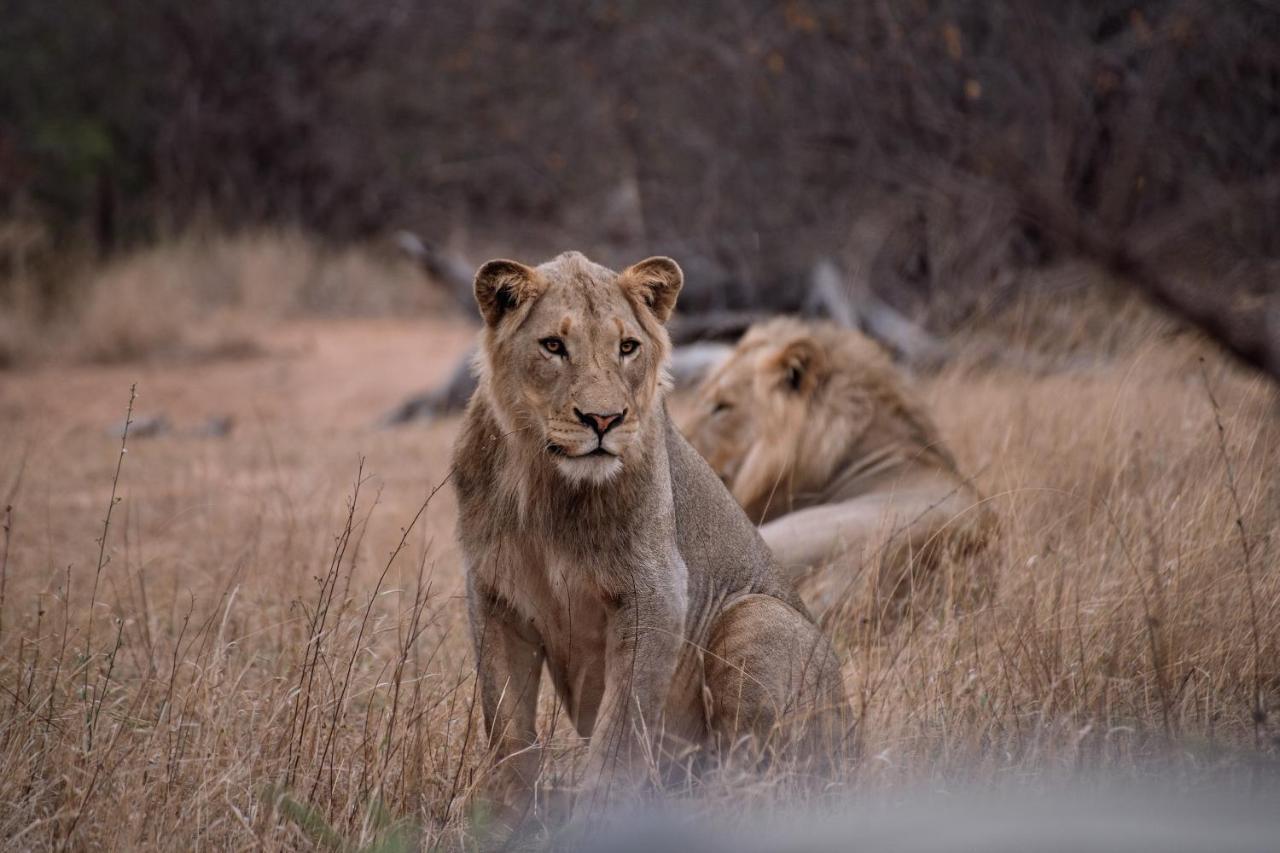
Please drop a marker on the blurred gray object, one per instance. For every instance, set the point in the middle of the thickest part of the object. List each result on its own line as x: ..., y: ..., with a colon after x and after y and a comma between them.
x: 691, y: 362
x: 154, y: 426
x: 446, y: 399
x: 148, y: 426
x: 1131, y: 820
x: 219, y: 426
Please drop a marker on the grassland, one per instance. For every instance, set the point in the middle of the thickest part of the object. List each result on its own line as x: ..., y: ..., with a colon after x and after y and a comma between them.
x: 256, y: 641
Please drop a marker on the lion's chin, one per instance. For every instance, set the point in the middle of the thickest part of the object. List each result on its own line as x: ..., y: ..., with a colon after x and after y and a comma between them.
x: 591, y: 468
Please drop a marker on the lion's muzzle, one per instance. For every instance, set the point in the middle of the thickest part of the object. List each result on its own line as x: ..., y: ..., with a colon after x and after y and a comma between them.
x: 600, y: 424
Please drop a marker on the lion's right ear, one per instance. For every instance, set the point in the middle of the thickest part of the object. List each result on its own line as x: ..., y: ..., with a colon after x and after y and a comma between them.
x: 502, y: 286
x: 657, y: 282
x: 799, y: 365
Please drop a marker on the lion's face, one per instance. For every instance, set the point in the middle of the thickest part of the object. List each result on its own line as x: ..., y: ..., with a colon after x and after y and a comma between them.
x: 767, y: 421
x: 725, y: 421
x: 574, y: 356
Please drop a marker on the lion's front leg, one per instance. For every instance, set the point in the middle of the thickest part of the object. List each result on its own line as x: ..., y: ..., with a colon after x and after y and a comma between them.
x: 645, y: 633
x: 509, y: 658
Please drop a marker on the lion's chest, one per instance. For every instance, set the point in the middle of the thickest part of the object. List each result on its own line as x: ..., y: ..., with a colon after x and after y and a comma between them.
x: 570, y: 613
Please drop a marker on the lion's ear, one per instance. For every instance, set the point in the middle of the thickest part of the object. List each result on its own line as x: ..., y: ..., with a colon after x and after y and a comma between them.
x: 501, y: 286
x: 656, y: 282
x: 798, y: 366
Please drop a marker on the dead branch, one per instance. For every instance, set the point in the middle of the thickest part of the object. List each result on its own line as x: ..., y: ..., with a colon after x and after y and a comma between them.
x: 446, y: 270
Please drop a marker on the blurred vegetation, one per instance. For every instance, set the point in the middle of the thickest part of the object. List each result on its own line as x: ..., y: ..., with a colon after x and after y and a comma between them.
x: 746, y: 138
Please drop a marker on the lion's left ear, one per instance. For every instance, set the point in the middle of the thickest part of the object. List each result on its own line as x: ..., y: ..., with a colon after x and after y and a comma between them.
x: 656, y: 282
x: 501, y: 286
x: 799, y: 365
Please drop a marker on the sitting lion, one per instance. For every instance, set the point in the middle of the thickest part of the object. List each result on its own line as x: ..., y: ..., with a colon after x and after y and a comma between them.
x: 816, y: 436
x: 598, y: 543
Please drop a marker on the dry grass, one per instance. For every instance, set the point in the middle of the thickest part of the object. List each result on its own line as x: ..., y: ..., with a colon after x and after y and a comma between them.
x: 275, y: 653
x: 207, y: 297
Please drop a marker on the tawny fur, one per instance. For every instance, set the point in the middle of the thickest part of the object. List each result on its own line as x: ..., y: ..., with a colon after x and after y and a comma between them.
x: 631, y: 575
x: 820, y: 440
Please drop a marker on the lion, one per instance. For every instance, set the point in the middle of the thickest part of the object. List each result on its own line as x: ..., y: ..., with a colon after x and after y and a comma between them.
x: 818, y: 438
x: 600, y: 545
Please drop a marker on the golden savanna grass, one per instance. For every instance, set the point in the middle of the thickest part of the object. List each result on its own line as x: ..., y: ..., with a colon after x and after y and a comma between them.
x: 265, y: 647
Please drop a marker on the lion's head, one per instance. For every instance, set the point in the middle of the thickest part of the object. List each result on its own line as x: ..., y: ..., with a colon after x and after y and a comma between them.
x: 794, y: 407
x: 574, y: 354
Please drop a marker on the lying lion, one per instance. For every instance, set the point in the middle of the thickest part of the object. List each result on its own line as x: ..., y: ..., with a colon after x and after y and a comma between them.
x: 817, y: 437
x: 598, y: 543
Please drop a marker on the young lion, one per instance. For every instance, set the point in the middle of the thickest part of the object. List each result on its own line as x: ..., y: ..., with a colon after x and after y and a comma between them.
x: 600, y: 544
x: 816, y: 435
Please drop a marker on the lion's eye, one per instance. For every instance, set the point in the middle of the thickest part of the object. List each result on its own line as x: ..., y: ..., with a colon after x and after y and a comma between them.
x: 553, y: 345
x: 628, y: 346
x: 720, y: 406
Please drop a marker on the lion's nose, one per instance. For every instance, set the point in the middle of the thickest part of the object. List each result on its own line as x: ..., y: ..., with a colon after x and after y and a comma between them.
x: 601, y: 423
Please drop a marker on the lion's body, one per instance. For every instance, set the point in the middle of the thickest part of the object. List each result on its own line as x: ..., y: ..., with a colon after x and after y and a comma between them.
x: 820, y: 440
x: 627, y: 569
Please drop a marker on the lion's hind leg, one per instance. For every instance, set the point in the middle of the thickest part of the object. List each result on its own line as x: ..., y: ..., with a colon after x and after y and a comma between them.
x: 775, y: 693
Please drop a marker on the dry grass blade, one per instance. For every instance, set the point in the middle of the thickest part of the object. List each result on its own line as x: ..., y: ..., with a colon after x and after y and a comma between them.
x: 92, y: 715
x: 1259, y: 709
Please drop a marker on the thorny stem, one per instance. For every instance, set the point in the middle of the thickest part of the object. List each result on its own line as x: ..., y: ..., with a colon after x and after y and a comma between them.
x: 102, y: 558
x: 4, y: 561
x: 364, y: 624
